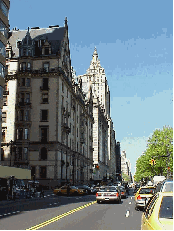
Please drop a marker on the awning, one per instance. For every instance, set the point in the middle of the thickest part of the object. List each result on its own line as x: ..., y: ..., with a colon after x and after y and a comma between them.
x: 18, y: 173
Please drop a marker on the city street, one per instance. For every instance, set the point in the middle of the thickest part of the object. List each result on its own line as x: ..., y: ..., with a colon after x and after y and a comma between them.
x: 45, y: 213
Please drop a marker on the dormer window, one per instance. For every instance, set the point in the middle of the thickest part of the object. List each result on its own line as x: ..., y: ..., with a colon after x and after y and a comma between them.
x: 29, y: 52
x: 24, y: 52
x: 46, y: 50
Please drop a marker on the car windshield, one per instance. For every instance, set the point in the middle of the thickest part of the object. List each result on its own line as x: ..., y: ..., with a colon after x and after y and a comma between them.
x: 108, y: 189
x: 73, y: 187
x: 146, y: 191
x: 166, y: 210
x: 168, y: 187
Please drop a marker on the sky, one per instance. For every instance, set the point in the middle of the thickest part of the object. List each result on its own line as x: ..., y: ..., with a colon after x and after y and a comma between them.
x: 134, y: 41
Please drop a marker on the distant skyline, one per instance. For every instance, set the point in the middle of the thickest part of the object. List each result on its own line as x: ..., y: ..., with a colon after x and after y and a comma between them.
x: 134, y: 41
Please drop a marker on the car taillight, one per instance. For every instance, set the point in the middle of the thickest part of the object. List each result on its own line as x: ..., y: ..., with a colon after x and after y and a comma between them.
x: 139, y: 197
x: 96, y: 194
x: 117, y: 194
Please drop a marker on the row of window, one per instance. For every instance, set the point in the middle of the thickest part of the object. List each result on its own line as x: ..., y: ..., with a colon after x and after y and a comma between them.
x: 3, y: 29
x: 4, y: 8
x: 24, y: 66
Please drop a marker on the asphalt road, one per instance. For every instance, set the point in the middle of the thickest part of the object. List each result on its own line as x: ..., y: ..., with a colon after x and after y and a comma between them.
x: 69, y: 213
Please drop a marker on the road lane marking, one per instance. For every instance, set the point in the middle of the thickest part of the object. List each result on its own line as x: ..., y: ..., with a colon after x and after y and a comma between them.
x: 54, y: 219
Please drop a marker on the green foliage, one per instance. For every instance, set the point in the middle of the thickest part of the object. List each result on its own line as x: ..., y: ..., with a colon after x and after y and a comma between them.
x: 160, y: 148
x: 126, y: 177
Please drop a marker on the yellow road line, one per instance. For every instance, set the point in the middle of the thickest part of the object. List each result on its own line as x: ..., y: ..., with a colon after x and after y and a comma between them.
x: 45, y: 223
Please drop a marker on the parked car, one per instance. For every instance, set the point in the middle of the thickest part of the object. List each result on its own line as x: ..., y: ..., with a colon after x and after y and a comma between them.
x: 108, y: 193
x: 159, y: 212
x: 143, y: 195
x: 93, y: 189
x: 63, y: 190
x: 82, y: 190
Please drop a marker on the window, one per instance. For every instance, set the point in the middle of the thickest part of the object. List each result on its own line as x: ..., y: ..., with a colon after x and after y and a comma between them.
x: 166, y: 209
x: 45, y: 83
x: 33, y: 171
x: 43, y: 154
x: 2, y: 70
x: 62, y: 87
x: 2, y: 49
x: 24, y: 52
x: 43, y: 172
x: 4, y: 117
x: 3, y: 29
x: 46, y: 67
x: 27, y: 115
x: 29, y: 52
x: 45, y: 98
x: 19, y: 133
x: 26, y: 133
x: 44, y: 134
x: 4, y: 100
x: 3, y: 135
x: 25, y: 153
x: 44, y: 115
x: 4, y: 8
x: 23, y: 66
x: 21, y: 115
x: 22, y: 82
x: 22, y: 97
x: 28, y: 82
x: 28, y: 66
x: 46, y: 50
x: 27, y: 97
x: 19, y: 153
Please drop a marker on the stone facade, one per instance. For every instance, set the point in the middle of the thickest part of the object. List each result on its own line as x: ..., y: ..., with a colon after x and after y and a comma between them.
x: 53, y: 124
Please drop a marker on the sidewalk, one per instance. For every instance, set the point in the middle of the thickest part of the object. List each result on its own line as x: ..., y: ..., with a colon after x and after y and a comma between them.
x: 37, y: 196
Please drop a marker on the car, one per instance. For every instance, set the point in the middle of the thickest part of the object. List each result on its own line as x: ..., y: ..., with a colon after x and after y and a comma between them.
x: 82, y: 190
x: 63, y: 190
x: 165, y: 186
x: 159, y: 212
x: 108, y: 193
x: 143, y: 195
x: 123, y: 191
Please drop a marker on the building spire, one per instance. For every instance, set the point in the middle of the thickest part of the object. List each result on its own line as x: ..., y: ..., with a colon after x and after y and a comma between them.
x: 66, y: 24
x: 95, y: 55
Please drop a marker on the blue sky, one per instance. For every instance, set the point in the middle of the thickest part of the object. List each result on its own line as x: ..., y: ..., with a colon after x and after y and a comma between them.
x: 134, y: 40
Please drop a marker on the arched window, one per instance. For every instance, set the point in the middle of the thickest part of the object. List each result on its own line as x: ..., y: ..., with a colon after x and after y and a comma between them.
x: 43, y: 154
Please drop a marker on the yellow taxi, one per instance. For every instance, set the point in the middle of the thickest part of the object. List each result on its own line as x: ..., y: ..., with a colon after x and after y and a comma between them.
x: 73, y: 191
x: 143, y: 195
x: 158, y: 214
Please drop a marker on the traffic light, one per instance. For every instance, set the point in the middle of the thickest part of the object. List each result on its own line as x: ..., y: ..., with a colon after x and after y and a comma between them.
x: 97, y: 166
x: 152, y: 162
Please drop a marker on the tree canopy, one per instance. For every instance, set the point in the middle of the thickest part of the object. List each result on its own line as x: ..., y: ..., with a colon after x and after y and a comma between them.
x: 160, y: 149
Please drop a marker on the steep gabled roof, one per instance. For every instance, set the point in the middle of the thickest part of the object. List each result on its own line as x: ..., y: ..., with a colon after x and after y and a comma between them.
x: 53, y: 35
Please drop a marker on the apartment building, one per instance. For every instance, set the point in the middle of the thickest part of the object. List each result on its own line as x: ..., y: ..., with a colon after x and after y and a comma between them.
x: 51, y: 123
x: 4, y: 28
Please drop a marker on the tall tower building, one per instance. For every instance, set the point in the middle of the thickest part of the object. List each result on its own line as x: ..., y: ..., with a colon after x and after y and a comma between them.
x: 103, y: 136
x: 4, y: 28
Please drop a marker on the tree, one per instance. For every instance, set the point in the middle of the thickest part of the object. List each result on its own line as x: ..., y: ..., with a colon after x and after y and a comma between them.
x: 126, y: 177
x: 159, y: 148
